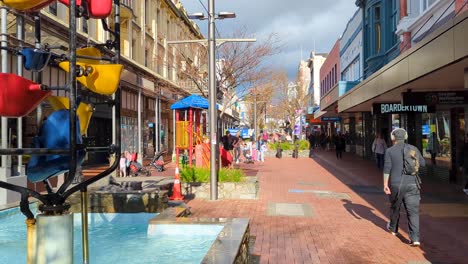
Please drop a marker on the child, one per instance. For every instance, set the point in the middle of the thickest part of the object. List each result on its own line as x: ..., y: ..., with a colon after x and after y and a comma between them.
x: 123, y: 165
x: 263, y: 149
x: 248, y: 157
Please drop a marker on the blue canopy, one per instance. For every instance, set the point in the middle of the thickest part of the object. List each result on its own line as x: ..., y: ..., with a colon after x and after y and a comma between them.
x: 192, y: 101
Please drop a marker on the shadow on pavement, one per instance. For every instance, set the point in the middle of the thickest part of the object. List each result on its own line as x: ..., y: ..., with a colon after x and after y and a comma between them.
x: 443, y: 226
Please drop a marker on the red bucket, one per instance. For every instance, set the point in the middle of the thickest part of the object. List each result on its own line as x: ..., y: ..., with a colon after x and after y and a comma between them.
x: 96, y: 8
x: 19, y: 96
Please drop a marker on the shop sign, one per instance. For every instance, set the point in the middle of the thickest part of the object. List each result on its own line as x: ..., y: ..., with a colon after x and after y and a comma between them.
x: 391, y: 108
x: 331, y: 119
x: 434, y: 98
x: 315, y: 121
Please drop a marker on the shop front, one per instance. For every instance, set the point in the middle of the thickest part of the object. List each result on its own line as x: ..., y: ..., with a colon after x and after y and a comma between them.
x: 443, y: 133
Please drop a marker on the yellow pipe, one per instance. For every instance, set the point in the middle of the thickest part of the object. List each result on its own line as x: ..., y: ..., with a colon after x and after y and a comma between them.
x: 84, y: 226
x: 31, y: 240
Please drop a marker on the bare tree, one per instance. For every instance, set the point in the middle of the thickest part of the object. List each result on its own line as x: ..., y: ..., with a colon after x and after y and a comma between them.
x: 239, y: 66
x: 293, y: 98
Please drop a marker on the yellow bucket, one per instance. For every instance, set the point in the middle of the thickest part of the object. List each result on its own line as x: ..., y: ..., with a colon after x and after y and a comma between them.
x: 104, y: 78
x: 27, y: 5
x: 89, y: 52
x: 84, y: 111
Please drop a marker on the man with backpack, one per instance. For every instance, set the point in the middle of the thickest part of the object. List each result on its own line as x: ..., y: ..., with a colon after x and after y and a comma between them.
x: 401, y: 169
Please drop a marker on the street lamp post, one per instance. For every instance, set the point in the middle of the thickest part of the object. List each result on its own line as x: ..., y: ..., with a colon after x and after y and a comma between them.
x: 212, y: 90
x: 212, y: 102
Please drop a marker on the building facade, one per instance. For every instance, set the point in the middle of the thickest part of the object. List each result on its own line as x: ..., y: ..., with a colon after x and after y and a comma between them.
x: 151, y: 81
x: 314, y: 63
x: 424, y: 88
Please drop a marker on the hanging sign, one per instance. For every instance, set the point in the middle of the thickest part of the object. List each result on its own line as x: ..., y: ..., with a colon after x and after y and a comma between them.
x: 331, y: 119
x: 434, y: 98
x: 391, y: 108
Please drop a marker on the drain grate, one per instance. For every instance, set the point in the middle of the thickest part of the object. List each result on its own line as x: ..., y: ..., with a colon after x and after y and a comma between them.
x: 333, y: 195
x: 323, y: 194
x: 289, y: 209
x: 318, y: 184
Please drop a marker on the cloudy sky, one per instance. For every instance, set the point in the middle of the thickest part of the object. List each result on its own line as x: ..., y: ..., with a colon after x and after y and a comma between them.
x: 298, y: 23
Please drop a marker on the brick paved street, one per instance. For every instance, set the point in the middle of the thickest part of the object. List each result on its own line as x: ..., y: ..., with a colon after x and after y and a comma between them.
x: 322, y: 210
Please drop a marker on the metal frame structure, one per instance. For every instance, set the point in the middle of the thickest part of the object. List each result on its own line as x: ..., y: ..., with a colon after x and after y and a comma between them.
x: 54, y: 203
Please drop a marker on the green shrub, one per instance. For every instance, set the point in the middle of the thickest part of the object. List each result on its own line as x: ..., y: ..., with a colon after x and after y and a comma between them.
x: 195, y: 174
x: 303, y: 145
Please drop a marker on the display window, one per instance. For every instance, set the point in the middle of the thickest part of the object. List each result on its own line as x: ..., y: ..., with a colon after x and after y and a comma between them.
x: 436, y: 137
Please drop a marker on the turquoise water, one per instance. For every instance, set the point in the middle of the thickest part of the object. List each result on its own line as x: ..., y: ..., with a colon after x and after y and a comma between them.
x: 117, y: 238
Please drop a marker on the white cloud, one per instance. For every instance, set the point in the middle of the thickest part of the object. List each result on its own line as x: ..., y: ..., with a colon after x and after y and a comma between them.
x: 298, y: 23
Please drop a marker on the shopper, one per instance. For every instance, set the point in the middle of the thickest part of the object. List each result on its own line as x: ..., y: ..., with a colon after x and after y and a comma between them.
x: 465, y: 163
x: 237, y: 143
x: 379, y: 147
x: 433, y: 147
x: 402, y: 184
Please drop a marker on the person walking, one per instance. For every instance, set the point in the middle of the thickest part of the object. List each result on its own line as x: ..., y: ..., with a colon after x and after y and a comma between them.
x: 379, y: 147
x: 340, y: 145
x: 465, y: 163
x: 401, y: 182
x: 237, y: 143
x: 433, y: 147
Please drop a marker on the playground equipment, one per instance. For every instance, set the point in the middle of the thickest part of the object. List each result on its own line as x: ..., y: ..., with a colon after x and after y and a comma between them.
x: 190, y: 128
x: 58, y: 147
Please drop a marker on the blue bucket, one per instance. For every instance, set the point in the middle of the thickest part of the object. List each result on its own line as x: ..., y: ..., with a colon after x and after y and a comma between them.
x: 54, y: 134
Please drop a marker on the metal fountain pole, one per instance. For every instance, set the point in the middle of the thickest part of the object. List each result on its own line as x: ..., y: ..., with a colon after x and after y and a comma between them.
x: 30, y: 222
x: 19, y: 63
x: 4, y: 169
x: 212, y: 102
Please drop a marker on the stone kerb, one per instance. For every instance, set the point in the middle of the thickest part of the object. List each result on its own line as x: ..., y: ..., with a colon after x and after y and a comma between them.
x: 226, y: 190
x: 150, y: 201
x: 287, y: 153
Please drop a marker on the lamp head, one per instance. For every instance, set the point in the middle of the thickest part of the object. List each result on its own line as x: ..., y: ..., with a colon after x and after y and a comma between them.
x: 222, y: 15
x: 199, y: 16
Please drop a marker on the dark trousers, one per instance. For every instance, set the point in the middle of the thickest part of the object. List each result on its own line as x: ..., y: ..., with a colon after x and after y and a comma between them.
x: 380, y: 160
x: 409, y: 196
x: 339, y: 153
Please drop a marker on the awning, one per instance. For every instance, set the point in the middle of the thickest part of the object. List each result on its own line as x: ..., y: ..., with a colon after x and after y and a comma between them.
x: 318, y: 114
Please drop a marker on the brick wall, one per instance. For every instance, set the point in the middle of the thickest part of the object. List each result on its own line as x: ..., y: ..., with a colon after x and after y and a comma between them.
x: 330, y: 71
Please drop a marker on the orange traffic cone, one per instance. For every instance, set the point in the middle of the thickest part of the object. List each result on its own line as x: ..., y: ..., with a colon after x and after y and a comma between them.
x: 176, y: 189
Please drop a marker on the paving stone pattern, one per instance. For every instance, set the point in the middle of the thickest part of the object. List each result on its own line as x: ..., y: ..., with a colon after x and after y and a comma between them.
x: 344, y: 229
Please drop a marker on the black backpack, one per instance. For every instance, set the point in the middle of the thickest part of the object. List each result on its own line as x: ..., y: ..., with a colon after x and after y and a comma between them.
x: 410, y: 161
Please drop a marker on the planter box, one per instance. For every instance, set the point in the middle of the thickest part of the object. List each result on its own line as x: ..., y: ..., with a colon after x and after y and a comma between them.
x: 226, y: 190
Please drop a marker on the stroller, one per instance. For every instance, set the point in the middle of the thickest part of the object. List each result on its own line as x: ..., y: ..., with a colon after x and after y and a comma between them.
x: 135, y: 167
x: 158, y: 162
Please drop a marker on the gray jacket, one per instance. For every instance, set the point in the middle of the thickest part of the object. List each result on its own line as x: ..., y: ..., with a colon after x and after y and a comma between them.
x: 394, y: 163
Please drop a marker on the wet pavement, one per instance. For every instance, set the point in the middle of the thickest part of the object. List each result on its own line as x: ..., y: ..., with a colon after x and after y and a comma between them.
x: 323, y: 210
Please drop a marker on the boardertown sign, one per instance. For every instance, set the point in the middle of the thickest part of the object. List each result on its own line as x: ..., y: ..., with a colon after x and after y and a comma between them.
x: 391, y: 108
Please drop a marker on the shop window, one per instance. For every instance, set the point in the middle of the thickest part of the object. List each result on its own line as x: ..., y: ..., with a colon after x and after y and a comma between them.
x: 129, y: 137
x: 425, y: 4
x: 394, y: 18
x: 436, y: 137
x: 53, y: 8
x: 396, y: 122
